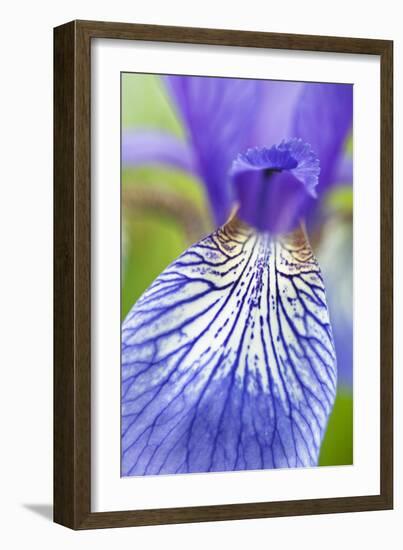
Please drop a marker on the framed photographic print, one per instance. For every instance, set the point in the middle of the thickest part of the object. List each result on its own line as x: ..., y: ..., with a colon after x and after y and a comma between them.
x: 222, y: 275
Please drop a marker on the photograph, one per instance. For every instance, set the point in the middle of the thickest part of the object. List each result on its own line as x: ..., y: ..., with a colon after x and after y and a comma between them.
x: 202, y: 248
x: 236, y: 274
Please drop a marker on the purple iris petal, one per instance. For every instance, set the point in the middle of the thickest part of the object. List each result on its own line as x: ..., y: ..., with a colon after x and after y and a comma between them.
x: 343, y: 340
x: 323, y: 117
x: 218, y: 114
x: 344, y: 170
x: 224, y: 116
x: 335, y: 254
x: 274, y: 121
x: 228, y: 359
x: 152, y: 147
x: 273, y: 185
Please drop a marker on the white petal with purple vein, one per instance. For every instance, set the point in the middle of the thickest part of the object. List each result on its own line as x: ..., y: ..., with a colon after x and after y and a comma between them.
x: 228, y: 360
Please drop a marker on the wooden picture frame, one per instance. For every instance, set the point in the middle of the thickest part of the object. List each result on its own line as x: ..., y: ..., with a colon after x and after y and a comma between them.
x: 72, y: 274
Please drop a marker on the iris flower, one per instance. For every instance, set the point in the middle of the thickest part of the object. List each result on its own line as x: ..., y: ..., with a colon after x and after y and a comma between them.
x: 228, y: 358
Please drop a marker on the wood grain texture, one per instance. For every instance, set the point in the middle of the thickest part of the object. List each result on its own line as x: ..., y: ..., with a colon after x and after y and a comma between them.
x: 64, y: 380
x: 72, y: 270
x: 72, y: 296
x: 386, y: 359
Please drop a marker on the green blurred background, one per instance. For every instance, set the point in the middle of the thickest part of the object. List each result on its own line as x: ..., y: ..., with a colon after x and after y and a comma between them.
x: 165, y: 210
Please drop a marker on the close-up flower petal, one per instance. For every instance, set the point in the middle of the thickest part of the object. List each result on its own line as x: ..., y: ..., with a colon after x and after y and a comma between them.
x: 323, y: 117
x: 229, y: 354
x: 150, y: 147
x: 273, y: 185
x: 228, y: 359
x: 276, y: 114
x: 218, y: 115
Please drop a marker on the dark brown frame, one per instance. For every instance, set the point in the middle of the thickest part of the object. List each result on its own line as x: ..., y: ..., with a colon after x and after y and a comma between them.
x: 72, y: 268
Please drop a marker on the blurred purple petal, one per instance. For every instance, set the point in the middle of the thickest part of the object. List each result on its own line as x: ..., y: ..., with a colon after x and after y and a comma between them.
x: 218, y: 114
x: 323, y: 118
x: 275, y: 119
x: 344, y: 170
x: 153, y: 147
x: 335, y: 255
x: 274, y: 185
